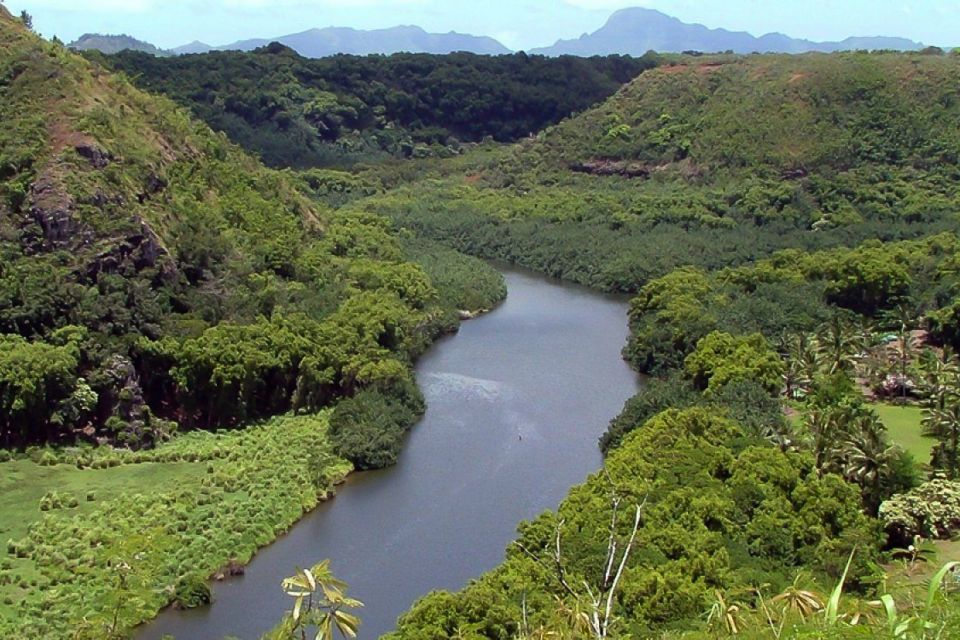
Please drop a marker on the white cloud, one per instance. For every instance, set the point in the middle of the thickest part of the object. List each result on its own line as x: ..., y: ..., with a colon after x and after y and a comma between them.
x: 131, y: 6
x: 609, y: 4
x: 138, y: 6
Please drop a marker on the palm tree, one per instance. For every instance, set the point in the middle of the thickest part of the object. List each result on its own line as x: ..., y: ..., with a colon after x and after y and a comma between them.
x: 868, y: 459
x: 903, y: 319
x: 839, y: 344
x: 823, y: 428
x: 940, y: 385
x: 944, y: 425
x: 803, y: 363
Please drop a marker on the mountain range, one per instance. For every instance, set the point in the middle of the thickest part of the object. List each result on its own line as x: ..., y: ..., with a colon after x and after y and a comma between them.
x: 636, y: 31
x: 628, y: 32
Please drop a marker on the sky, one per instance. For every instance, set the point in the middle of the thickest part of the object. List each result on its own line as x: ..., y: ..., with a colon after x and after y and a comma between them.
x: 519, y: 24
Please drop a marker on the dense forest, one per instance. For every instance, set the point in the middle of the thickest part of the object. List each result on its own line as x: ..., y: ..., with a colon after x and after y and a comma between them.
x: 707, y: 162
x: 198, y: 348
x: 343, y: 109
x: 789, y: 227
x: 154, y: 279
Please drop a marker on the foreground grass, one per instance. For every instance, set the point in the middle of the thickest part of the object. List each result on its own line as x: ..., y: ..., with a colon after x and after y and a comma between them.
x: 119, y: 542
x: 903, y: 426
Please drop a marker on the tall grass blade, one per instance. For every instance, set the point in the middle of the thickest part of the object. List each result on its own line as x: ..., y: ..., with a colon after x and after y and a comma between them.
x: 891, y: 608
x: 833, y: 605
x: 937, y: 582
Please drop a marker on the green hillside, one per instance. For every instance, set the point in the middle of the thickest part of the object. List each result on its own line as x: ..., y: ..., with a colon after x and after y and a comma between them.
x: 136, y: 244
x: 711, y: 162
x: 789, y: 225
x: 345, y: 109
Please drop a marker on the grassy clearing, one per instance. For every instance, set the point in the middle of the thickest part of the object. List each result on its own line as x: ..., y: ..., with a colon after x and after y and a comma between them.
x: 903, y: 426
x: 159, y: 524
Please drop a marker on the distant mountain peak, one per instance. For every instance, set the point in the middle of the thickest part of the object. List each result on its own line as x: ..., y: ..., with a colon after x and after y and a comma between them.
x: 327, y: 41
x: 108, y: 43
x: 193, y: 47
x: 636, y: 30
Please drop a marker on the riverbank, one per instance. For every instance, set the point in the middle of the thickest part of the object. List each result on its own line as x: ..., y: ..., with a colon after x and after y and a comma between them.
x: 505, y: 434
x: 177, y: 515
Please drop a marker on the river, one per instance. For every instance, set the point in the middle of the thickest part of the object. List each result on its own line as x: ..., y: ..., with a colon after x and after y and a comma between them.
x: 516, y: 402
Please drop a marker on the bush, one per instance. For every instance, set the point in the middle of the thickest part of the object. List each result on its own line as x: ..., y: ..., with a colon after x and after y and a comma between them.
x: 368, y: 429
x: 751, y: 406
x: 932, y: 510
x: 192, y: 591
x: 48, y: 459
x: 658, y: 395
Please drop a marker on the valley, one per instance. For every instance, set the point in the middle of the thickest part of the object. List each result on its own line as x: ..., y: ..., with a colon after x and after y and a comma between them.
x: 724, y: 401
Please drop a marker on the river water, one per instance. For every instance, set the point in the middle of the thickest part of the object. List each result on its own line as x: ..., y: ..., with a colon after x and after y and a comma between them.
x: 516, y: 402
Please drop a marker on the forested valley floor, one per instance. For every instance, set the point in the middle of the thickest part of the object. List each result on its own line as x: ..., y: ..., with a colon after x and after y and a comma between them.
x: 191, y: 337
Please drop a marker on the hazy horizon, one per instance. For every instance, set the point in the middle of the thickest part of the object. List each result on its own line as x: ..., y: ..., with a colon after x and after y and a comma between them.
x: 526, y: 24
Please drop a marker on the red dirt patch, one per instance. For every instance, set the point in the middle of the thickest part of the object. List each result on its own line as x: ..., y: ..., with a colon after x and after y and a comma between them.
x: 709, y: 66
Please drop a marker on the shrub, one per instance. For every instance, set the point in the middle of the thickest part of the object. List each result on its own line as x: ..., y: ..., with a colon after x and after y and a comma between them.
x: 48, y: 459
x: 368, y: 429
x: 932, y: 510
x: 192, y: 591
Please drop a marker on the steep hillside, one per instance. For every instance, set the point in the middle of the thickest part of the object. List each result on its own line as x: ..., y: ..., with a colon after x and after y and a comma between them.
x: 711, y: 162
x: 151, y: 271
x: 637, y: 30
x: 293, y: 111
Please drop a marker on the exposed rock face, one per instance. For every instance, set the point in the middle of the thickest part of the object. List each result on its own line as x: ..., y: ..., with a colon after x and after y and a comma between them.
x: 141, y: 250
x: 127, y: 399
x: 612, y: 168
x: 97, y: 156
x: 155, y: 184
x: 51, y: 208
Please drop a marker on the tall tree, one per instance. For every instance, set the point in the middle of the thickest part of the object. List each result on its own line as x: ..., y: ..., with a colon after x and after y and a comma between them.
x: 839, y: 344
x: 940, y: 386
x: 868, y: 459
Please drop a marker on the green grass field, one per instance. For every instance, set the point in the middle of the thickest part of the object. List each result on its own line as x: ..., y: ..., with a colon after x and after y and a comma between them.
x: 23, y: 483
x: 189, y: 507
x: 903, y: 426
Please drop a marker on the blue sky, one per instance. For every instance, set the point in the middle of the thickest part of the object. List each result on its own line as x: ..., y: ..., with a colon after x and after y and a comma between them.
x: 516, y: 23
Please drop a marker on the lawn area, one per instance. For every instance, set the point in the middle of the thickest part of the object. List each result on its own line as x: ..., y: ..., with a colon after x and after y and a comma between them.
x: 903, y: 426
